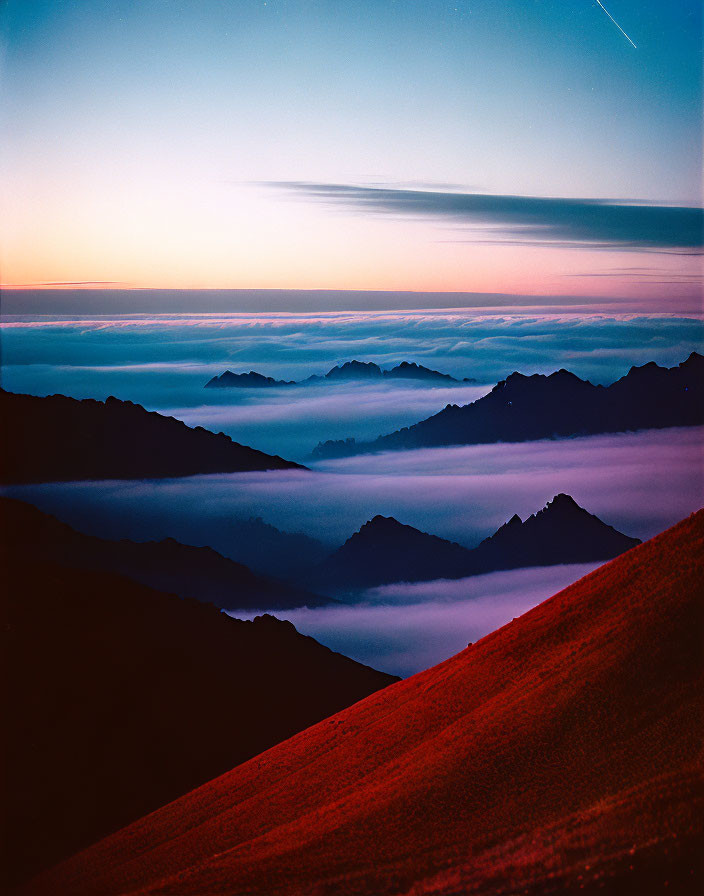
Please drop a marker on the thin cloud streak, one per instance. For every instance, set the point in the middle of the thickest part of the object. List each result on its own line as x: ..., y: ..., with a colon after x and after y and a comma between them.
x: 530, y: 220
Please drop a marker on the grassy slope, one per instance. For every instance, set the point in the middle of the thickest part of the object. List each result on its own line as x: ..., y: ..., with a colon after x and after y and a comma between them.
x: 556, y: 755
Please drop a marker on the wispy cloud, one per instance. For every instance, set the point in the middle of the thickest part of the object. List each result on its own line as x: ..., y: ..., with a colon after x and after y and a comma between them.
x: 533, y: 220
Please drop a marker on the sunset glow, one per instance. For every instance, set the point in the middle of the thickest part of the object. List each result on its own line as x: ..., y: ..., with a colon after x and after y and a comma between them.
x: 153, y: 154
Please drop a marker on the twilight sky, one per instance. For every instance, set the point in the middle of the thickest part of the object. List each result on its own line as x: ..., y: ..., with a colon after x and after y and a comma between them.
x: 310, y: 144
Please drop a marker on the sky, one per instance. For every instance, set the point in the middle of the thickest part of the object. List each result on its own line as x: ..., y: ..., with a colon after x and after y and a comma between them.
x: 505, y: 147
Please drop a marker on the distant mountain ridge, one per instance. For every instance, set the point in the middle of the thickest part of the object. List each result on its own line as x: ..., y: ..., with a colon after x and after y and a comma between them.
x: 167, y: 565
x: 59, y: 438
x: 526, y: 408
x: 385, y: 551
x: 349, y: 371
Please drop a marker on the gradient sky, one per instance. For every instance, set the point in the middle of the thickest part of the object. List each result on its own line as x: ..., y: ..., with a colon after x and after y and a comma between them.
x: 302, y: 144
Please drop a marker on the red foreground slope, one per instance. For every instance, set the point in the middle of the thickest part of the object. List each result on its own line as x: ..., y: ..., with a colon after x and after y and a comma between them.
x: 558, y: 755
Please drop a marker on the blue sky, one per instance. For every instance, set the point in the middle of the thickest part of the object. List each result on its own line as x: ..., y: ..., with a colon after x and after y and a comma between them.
x: 140, y: 135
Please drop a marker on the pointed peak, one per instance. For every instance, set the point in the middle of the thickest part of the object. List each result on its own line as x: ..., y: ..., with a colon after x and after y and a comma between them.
x: 355, y: 363
x: 380, y: 520
x: 349, y: 368
x: 509, y: 526
x: 562, y: 501
x: 379, y: 526
x: 694, y: 358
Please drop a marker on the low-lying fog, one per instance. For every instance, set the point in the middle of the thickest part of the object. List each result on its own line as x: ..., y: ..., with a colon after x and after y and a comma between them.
x: 405, y: 628
x: 641, y: 483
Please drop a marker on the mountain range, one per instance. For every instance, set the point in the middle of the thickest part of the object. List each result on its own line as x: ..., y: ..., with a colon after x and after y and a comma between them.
x: 558, y: 755
x: 58, y: 438
x: 525, y: 408
x: 259, y: 545
x: 349, y: 371
x: 385, y: 551
x: 167, y: 565
x: 124, y: 698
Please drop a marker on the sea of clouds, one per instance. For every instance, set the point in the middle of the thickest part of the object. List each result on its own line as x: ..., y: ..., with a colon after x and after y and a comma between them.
x: 641, y: 483
x: 164, y: 361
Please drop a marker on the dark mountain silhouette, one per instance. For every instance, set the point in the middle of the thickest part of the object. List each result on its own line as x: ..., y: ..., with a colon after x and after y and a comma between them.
x: 251, y: 380
x: 562, y: 532
x: 251, y: 541
x: 263, y: 547
x: 198, y: 572
x: 355, y: 370
x: 524, y: 408
x: 385, y: 550
x: 118, y: 699
x: 351, y: 370
x: 559, y: 755
x: 409, y: 370
x: 60, y: 438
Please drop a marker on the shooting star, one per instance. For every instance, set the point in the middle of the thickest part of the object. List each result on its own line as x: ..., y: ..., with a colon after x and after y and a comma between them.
x: 616, y: 24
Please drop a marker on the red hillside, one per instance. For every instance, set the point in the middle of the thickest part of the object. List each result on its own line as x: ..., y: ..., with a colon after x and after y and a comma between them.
x: 557, y: 755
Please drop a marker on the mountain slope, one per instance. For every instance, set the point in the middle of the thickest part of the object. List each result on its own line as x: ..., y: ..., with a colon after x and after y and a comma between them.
x: 60, y: 438
x: 167, y: 565
x: 122, y: 698
x: 524, y: 408
x: 559, y: 755
x: 385, y: 551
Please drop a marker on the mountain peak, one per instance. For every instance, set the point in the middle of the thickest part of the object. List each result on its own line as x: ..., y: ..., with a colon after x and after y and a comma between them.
x: 694, y: 360
x: 353, y: 369
x: 562, y: 501
x: 381, y: 523
x: 562, y: 532
x: 409, y: 365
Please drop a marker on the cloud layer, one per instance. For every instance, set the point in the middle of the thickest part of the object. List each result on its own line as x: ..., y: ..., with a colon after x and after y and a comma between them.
x: 405, y: 628
x: 531, y: 220
x: 640, y: 483
x: 164, y: 361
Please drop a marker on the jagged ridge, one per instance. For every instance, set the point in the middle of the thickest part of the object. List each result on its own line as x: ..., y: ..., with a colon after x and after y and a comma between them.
x: 525, y: 408
x: 385, y: 551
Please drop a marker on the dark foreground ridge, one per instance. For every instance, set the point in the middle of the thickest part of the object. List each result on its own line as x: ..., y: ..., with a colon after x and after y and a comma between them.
x: 558, y: 755
x: 168, y: 565
x: 119, y: 698
x: 58, y: 439
x: 526, y: 408
x: 385, y: 551
x: 349, y: 371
